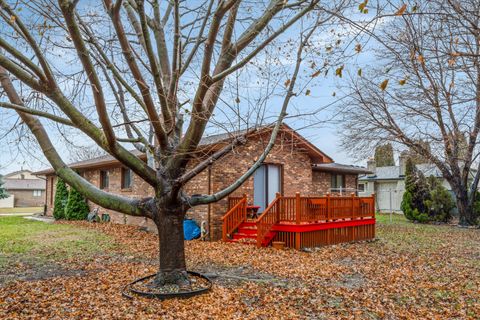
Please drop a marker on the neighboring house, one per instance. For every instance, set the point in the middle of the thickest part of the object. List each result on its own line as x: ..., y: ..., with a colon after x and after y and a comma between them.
x: 25, y: 190
x: 388, y: 183
x: 293, y: 165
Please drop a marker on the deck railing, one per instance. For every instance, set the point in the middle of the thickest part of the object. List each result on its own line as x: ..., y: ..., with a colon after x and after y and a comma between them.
x: 268, y: 219
x: 328, y: 208
x: 299, y: 211
x: 234, y: 217
x: 232, y: 201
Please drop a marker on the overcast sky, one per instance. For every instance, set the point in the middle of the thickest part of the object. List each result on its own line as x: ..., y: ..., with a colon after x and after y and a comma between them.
x: 325, y: 91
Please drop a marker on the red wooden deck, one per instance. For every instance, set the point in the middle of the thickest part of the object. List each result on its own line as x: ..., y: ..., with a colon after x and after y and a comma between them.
x: 302, y: 222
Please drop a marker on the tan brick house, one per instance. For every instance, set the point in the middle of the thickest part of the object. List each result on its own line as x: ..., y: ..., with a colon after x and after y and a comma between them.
x: 294, y: 165
x: 25, y: 190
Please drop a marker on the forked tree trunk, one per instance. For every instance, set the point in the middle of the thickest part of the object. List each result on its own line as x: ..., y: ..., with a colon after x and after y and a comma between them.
x: 172, y: 267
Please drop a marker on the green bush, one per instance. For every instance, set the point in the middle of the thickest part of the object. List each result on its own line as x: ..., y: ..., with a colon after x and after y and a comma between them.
x: 3, y: 192
x: 77, y: 207
x: 440, y: 204
x: 416, y: 194
x: 425, y: 200
x: 61, y: 198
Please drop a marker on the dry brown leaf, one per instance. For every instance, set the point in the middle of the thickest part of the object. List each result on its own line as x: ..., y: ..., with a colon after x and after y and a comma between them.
x: 384, y: 84
x: 401, y: 10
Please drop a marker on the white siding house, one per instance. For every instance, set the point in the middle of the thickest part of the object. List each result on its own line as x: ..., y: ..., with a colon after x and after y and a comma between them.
x: 388, y: 183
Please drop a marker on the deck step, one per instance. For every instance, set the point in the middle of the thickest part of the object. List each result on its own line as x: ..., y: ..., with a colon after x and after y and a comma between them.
x: 244, y: 236
x: 250, y: 231
x: 248, y: 224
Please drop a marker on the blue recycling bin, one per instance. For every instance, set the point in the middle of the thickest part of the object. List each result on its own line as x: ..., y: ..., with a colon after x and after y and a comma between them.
x: 191, y: 230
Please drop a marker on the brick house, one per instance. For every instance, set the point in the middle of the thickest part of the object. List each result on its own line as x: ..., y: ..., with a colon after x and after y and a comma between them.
x: 293, y: 165
x: 25, y: 190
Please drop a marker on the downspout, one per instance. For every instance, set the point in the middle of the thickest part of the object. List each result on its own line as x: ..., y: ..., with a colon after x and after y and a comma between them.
x: 356, y: 185
x: 209, y: 211
x: 46, y: 196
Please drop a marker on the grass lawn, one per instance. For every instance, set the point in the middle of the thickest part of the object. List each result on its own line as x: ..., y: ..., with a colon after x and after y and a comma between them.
x: 411, y: 271
x: 31, y: 246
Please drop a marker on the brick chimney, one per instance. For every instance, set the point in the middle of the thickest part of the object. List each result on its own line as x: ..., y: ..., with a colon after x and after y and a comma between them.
x: 371, y: 166
x: 402, y: 163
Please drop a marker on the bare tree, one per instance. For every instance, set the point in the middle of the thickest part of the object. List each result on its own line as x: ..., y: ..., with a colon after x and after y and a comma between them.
x: 135, y: 68
x: 86, y: 153
x: 425, y: 96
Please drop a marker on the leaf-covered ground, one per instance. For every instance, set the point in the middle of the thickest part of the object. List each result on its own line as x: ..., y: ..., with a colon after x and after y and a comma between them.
x: 411, y: 272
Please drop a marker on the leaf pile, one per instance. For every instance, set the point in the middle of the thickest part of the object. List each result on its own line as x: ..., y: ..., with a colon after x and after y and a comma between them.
x: 411, y: 272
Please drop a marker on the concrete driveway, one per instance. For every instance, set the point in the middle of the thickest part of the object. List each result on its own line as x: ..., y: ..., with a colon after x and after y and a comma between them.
x: 27, y: 211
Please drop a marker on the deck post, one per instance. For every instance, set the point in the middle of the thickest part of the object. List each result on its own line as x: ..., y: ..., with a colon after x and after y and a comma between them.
x: 298, y: 212
x: 298, y: 208
x: 353, y: 205
x: 328, y: 206
x: 373, y: 205
x: 279, y: 207
x: 244, y: 211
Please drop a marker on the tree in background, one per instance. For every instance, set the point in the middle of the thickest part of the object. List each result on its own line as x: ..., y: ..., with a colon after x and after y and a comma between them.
x: 61, y: 198
x: 77, y: 207
x: 416, y: 157
x: 424, y: 86
x: 384, y: 155
x: 416, y: 192
x: 3, y: 192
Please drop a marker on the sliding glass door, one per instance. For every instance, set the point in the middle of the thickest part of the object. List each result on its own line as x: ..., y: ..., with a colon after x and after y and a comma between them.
x: 266, y: 183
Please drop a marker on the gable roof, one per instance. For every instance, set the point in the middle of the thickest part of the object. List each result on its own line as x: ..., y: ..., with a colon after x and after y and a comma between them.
x: 211, y: 141
x: 14, y: 173
x: 25, y: 184
x: 393, y: 172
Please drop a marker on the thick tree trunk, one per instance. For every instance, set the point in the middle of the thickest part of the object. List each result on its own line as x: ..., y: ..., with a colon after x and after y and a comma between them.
x: 172, y: 268
x: 464, y: 206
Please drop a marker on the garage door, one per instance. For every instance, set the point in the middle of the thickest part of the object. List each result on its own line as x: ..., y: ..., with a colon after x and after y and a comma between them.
x: 388, y: 197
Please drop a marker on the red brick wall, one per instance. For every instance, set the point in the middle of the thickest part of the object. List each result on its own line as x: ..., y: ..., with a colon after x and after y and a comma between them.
x: 321, y: 182
x: 50, y: 193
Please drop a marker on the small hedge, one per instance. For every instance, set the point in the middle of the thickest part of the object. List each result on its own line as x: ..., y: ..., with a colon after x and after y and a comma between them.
x: 425, y: 200
x: 77, y: 207
x: 61, y: 198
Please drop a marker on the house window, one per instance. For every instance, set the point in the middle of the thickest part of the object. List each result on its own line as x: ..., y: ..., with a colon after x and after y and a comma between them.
x: 361, y: 187
x: 338, y: 182
x: 104, y: 181
x: 126, y: 178
x: 37, y: 193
